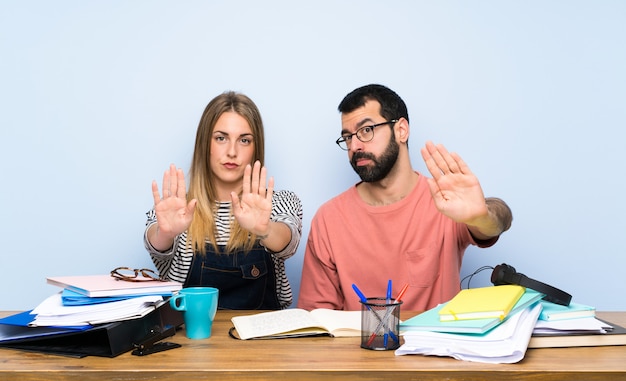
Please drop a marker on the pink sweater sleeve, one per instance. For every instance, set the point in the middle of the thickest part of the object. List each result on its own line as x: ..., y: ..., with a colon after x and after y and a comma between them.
x: 319, y: 285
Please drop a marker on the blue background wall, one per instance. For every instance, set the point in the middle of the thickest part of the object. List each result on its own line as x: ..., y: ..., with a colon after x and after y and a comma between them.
x: 98, y: 97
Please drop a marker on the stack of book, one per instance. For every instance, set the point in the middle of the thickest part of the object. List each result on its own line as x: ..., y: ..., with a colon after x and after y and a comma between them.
x: 97, y: 299
x: 498, y: 324
x: 94, y: 286
x: 95, y: 315
x: 575, y: 325
x: 488, y: 324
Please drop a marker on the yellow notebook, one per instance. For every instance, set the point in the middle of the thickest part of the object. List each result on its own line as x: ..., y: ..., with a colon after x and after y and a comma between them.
x: 482, y: 302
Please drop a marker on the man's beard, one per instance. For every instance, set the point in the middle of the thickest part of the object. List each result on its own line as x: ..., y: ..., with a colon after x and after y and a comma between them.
x: 381, y: 166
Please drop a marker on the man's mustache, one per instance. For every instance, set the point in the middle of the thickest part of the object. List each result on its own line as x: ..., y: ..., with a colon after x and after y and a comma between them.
x: 362, y: 155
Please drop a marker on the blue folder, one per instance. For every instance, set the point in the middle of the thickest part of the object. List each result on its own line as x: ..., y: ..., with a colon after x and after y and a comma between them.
x: 73, y: 298
x: 15, y: 328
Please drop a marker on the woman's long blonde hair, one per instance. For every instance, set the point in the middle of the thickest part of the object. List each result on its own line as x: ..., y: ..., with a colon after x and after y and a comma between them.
x: 201, y: 187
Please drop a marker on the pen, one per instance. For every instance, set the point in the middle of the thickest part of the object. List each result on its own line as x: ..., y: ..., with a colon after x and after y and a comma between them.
x: 401, y: 294
x: 386, y: 335
x: 360, y: 294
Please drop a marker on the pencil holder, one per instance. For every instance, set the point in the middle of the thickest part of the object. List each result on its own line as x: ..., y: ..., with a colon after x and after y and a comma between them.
x: 380, y: 324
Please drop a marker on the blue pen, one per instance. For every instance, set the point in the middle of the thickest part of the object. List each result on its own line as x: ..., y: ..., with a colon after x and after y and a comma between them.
x: 386, y: 335
x: 360, y: 294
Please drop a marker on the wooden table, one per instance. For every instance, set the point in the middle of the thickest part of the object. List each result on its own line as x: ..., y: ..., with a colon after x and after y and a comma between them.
x: 221, y: 357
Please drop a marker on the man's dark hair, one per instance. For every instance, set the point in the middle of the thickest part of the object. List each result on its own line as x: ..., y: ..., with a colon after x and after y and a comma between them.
x: 391, y: 105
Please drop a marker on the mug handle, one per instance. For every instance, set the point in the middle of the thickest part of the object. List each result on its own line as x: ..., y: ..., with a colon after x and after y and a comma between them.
x: 174, y: 302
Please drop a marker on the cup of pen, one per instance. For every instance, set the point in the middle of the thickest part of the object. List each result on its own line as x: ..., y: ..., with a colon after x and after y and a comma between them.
x: 380, y: 324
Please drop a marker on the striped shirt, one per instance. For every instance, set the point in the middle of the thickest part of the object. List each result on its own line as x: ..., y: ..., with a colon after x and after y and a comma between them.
x: 175, y: 263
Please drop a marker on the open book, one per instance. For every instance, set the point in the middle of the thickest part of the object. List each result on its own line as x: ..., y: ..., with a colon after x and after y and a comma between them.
x: 295, y: 322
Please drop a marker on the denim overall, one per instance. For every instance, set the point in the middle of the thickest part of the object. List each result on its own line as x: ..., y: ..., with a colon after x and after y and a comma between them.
x: 247, y: 281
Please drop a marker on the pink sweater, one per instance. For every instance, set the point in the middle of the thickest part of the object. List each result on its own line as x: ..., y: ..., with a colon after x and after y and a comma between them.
x: 409, y: 242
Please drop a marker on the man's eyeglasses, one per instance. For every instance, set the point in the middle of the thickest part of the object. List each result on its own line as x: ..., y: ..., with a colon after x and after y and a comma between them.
x: 364, y: 134
x: 132, y: 275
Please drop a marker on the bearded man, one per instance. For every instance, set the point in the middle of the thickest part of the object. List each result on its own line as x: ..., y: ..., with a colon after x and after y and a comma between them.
x: 395, y: 223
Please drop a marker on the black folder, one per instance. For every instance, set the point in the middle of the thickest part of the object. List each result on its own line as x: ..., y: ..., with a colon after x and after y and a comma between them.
x: 105, y: 340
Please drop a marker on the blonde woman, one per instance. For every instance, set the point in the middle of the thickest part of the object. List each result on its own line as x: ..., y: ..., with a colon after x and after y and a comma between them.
x: 230, y: 229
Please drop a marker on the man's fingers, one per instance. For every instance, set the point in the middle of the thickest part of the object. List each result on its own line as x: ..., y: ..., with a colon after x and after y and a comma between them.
x: 440, y: 161
x: 463, y: 167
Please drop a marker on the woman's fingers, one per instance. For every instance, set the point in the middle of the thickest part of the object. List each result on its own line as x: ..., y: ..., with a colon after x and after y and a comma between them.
x: 155, y: 192
x: 256, y: 174
x: 254, y: 179
x: 173, y: 185
x: 181, y: 189
x: 246, y: 179
x: 174, y: 182
x: 262, y: 181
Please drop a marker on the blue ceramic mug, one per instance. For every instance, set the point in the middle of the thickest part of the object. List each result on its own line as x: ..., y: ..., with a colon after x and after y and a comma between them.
x: 199, y: 305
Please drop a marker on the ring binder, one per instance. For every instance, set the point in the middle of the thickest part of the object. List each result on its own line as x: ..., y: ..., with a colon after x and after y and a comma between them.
x: 105, y: 340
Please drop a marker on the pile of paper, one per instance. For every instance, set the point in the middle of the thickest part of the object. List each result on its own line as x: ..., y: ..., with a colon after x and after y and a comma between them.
x: 487, y: 324
x: 52, y: 311
x: 506, y: 343
x: 430, y: 320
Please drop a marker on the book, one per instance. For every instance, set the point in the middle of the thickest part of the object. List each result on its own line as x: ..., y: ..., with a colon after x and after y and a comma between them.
x: 553, y: 311
x: 614, y: 335
x: 429, y: 320
x: 106, y: 285
x: 295, y: 322
x: 482, y: 302
x: 570, y: 326
x: 505, y: 343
